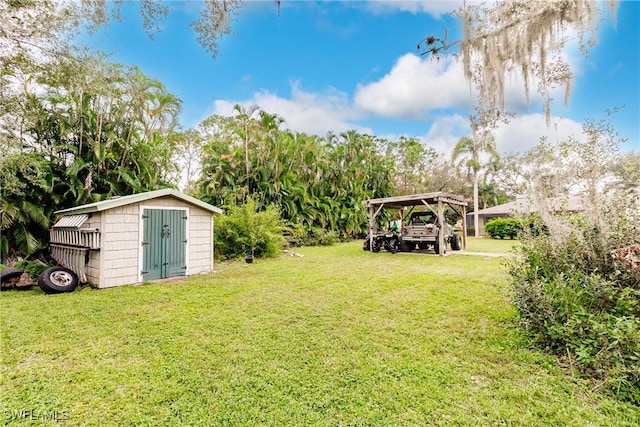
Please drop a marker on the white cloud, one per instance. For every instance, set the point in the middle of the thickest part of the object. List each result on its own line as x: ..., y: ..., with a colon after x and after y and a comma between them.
x: 416, y: 86
x: 444, y: 133
x: 311, y: 113
x: 413, y: 87
x: 524, y: 132
x: 521, y: 134
x: 436, y: 8
x: 416, y: 89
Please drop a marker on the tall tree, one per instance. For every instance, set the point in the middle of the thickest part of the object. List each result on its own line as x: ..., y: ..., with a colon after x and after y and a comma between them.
x: 319, y: 184
x: 626, y: 169
x: 510, y: 175
x: 87, y: 129
x: 468, y: 153
x: 188, y: 155
x: 412, y: 164
x: 35, y: 35
x: 49, y: 25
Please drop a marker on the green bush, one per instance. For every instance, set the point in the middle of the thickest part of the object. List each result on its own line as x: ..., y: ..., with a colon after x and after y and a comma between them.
x: 578, y: 300
x: 503, y: 227
x: 244, y: 231
x: 314, y: 236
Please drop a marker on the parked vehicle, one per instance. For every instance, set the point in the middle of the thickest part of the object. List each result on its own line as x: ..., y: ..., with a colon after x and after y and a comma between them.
x: 422, y: 230
x: 387, y: 240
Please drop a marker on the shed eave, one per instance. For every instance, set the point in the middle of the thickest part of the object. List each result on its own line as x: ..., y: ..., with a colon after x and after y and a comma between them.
x: 137, y: 198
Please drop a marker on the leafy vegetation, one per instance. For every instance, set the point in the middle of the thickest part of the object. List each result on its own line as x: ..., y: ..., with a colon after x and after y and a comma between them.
x: 467, y: 154
x: 34, y: 268
x: 315, y: 182
x: 93, y: 130
x: 581, y: 303
x: 244, y: 231
x: 503, y: 227
x: 573, y: 294
x: 338, y: 336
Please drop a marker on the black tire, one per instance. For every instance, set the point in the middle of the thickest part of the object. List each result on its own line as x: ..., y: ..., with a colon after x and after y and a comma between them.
x: 393, y: 245
x: 456, y: 242
x: 366, y: 245
x: 9, y: 276
x: 436, y: 246
x: 56, y: 280
x: 376, y: 245
x: 406, y: 246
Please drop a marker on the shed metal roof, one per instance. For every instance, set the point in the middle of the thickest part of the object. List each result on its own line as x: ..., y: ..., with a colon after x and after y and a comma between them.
x: 71, y: 221
x: 137, y: 198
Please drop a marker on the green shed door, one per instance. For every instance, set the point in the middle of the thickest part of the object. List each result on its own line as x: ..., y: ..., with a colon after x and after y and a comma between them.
x: 164, y: 243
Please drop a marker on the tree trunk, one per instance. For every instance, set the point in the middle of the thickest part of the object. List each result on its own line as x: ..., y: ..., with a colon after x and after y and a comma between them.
x: 475, y: 204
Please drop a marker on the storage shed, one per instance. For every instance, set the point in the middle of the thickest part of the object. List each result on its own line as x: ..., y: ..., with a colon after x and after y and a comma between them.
x: 132, y: 239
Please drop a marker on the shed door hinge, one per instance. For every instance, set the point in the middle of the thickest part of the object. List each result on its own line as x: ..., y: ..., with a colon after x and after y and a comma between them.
x: 145, y: 243
x: 144, y: 272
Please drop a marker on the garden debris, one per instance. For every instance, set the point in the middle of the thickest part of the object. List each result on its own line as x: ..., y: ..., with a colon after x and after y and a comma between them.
x: 25, y: 282
x: 22, y: 282
x: 629, y: 256
x: 293, y: 253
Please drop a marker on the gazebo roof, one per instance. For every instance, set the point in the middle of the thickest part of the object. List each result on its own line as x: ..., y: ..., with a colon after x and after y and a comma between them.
x: 398, y: 202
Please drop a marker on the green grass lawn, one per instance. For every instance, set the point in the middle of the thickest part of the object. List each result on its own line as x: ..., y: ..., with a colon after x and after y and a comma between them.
x: 489, y: 245
x: 337, y: 337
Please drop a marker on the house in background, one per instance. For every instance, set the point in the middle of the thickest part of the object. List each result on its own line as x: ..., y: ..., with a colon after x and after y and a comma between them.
x: 521, y: 206
x: 132, y: 239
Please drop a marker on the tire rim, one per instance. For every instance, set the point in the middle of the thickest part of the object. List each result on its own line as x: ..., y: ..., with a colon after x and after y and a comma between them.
x: 61, y: 278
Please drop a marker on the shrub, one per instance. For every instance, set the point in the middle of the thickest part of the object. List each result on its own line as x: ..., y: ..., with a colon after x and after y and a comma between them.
x: 503, y: 227
x: 243, y: 231
x: 314, y: 236
x: 578, y: 300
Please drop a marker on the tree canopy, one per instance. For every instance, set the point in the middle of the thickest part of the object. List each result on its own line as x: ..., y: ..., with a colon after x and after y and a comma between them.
x: 89, y: 130
x: 525, y: 38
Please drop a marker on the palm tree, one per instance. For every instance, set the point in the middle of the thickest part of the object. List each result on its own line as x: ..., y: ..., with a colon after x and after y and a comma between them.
x: 244, y: 116
x: 467, y: 153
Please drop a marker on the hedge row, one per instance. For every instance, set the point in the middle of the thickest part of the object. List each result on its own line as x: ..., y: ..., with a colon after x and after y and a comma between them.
x: 503, y: 227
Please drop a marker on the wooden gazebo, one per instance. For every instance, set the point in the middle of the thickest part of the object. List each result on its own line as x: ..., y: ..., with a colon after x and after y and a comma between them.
x: 440, y: 199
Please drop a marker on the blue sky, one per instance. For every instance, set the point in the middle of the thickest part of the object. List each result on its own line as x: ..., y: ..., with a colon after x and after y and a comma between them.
x: 340, y: 65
